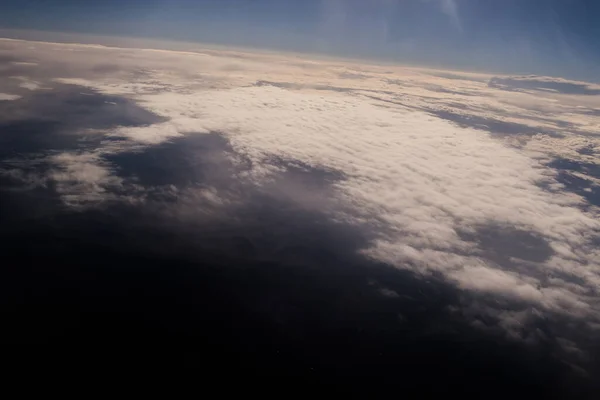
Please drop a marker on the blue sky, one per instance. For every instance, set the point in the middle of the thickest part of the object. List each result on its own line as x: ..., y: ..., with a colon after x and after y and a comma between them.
x: 559, y: 37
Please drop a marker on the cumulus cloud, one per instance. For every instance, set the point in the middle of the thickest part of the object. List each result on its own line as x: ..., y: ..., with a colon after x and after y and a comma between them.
x: 82, y: 178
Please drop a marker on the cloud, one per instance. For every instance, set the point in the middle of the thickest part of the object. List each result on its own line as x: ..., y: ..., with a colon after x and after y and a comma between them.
x: 83, y: 178
x: 24, y: 63
x: 487, y: 215
x: 8, y: 97
x: 423, y: 183
x: 26, y: 83
x: 450, y: 8
x: 426, y: 185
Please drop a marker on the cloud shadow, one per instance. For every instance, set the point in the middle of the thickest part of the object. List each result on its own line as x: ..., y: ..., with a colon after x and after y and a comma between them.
x: 560, y: 86
x: 570, y: 175
x: 494, y: 126
x: 65, y: 117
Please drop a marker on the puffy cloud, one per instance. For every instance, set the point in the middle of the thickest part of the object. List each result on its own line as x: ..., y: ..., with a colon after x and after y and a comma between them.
x: 82, y: 178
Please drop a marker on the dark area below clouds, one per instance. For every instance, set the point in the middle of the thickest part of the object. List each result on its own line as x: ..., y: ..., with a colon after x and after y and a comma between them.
x: 268, y: 288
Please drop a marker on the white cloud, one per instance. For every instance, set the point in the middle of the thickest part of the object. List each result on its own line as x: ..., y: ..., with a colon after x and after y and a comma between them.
x: 154, y: 134
x: 82, y: 178
x: 24, y: 63
x: 8, y: 97
x: 30, y: 85
x: 27, y: 83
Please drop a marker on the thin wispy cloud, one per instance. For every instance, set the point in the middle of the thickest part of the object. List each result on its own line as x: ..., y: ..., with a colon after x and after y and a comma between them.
x: 450, y: 8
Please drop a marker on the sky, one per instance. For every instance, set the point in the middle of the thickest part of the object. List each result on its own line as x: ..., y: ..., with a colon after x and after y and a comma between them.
x: 554, y: 37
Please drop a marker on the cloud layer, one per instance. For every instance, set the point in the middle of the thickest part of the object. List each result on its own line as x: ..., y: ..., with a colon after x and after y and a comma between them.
x: 427, y: 184
x: 453, y: 176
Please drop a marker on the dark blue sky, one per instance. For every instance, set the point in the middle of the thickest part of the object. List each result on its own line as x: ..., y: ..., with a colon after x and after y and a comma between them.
x: 560, y: 37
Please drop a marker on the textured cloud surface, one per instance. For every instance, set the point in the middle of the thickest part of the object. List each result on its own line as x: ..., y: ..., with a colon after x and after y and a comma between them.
x: 454, y: 175
x: 443, y: 198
